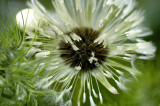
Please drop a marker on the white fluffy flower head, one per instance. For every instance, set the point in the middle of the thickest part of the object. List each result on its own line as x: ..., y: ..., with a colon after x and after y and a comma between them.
x: 88, y: 42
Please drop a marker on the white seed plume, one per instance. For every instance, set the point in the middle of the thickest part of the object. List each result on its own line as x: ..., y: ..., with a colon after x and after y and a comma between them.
x: 120, y: 30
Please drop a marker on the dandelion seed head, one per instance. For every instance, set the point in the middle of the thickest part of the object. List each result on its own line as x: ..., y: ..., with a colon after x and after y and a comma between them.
x: 83, y: 52
x: 88, y: 42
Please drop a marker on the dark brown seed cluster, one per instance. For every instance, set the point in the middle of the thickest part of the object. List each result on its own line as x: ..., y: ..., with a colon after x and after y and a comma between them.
x: 86, y: 47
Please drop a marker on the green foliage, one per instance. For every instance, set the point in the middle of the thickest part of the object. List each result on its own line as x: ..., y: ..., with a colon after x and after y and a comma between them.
x: 18, y: 74
x: 16, y: 86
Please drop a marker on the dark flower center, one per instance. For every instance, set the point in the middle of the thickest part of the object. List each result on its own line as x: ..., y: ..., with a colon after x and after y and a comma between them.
x: 82, y: 52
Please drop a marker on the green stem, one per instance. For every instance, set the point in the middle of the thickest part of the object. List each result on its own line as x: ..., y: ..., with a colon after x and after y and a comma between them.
x: 77, y: 92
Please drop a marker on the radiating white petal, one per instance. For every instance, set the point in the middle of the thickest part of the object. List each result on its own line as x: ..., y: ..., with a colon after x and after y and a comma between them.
x: 145, y: 48
x: 98, y: 74
x: 91, y: 101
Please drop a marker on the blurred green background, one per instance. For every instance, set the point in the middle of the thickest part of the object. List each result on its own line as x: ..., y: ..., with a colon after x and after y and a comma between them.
x: 145, y: 91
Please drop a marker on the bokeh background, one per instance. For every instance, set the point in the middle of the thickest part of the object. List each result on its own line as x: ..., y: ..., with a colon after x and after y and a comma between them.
x: 143, y: 92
